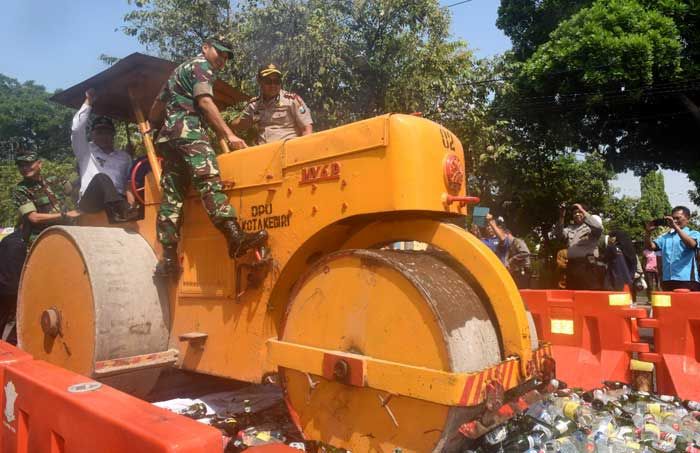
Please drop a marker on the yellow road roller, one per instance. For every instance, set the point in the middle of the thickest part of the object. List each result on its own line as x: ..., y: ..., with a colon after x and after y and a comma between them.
x: 375, y: 348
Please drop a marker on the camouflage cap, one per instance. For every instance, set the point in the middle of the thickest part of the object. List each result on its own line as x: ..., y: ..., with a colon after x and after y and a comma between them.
x: 26, y: 156
x: 268, y: 70
x: 221, y: 44
x: 102, y: 122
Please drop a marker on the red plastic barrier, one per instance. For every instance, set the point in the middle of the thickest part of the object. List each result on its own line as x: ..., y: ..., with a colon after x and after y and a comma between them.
x: 676, y: 323
x: 593, y: 333
x: 48, y: 409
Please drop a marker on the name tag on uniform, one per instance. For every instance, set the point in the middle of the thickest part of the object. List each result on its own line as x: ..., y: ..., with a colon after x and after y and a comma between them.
x: 278, y: 115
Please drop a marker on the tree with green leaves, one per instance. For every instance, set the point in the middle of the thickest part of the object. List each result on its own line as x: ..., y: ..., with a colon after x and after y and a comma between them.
x: 623, y: 214
x: 618, y: 77
x: 27, y: 117
x: 348, y: 60
x: 653, y: 203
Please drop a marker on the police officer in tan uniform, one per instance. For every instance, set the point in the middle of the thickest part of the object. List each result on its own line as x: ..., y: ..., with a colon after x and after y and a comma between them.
x: 276, y: 114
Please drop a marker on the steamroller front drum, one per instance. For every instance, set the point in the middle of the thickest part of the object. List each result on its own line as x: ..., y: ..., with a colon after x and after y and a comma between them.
x: 405, y: 307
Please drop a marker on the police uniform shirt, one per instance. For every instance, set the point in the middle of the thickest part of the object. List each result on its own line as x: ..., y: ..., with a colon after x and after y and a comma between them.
x: 279, y: 118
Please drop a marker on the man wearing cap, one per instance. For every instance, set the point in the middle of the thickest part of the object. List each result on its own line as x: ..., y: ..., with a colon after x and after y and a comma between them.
x: 40, y: 202
x: 104, y: 171
x: 182, y: 110
x: 276, y: 114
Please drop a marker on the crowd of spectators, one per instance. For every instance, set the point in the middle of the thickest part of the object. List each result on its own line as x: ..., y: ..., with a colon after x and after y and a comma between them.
x: 591, y: 258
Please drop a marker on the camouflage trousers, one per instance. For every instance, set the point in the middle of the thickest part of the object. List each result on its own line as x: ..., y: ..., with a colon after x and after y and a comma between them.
x: 186, y: 161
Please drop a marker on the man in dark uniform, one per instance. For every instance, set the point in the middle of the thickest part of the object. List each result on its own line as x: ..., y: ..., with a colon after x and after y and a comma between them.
x: 183, y: 107
x: 276, y: 114
x: 40, y: 202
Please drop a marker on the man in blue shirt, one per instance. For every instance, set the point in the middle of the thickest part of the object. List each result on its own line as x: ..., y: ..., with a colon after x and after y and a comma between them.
x: 678, y: 248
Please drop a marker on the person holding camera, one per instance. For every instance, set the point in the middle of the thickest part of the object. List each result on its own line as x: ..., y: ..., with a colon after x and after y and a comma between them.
x: 582, y: 247
x: 678, y: 250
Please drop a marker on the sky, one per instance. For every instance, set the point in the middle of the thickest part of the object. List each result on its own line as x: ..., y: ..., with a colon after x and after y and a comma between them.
x: 57, y: 43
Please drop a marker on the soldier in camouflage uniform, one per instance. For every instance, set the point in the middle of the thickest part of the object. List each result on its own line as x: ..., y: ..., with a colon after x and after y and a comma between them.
x: 276, y: 114
x: 41, y: 202
x: 184, y: 107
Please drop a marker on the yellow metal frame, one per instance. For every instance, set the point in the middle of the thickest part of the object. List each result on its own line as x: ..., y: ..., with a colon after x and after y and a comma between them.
x: 437, y: 386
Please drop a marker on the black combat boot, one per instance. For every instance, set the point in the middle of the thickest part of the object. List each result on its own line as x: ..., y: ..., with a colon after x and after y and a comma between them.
x: 169, y: 264
x: 120, y: 211
x: 239, y: 242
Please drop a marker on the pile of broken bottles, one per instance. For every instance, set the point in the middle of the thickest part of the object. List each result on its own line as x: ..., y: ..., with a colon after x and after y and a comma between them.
x: 612, y: 419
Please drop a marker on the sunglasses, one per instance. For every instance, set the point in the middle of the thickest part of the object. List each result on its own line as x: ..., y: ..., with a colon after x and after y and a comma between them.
x: 271, y: 81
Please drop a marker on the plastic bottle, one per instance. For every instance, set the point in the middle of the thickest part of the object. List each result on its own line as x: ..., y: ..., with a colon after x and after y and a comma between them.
x: 542, y: 411
x: 522, y: 442
x: 665, y: 446
x: 669, y: 399
x: 690, y: 428
x: 691, y: 405
x: 496, y: 436
x: 564, y: 426
x: 582, y: 440
x: 650, y: 430
x: 603, y: 424
x: 561, y: 445
x: 669, y: 419
x: 617, y: 445
x: 576, y: 411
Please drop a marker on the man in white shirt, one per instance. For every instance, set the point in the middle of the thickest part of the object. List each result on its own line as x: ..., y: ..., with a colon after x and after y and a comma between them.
x: 104, y: 171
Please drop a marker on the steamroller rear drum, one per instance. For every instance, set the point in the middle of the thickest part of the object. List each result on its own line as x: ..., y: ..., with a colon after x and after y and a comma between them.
x: 93, y: 290
x: 406, y: 307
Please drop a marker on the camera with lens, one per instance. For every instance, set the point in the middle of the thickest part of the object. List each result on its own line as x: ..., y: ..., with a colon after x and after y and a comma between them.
x: 659, y: 222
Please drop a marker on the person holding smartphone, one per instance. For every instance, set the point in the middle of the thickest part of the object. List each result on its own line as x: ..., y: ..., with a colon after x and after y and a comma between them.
x: 678, y: 250
x: 581, y: 239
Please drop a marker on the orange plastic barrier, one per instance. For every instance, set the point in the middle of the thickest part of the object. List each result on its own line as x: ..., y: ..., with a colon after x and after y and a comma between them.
x: 48, y: 409
x: 676, y: 324
x: 10, y: 354
x: 593, y: 333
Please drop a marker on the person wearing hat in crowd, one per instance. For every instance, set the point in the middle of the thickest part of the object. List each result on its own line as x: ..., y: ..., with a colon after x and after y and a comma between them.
x: 581, y: 237
x: 104, y: 170
x: 40, y: 201
x: 276, y: 114
x: 182, y: 110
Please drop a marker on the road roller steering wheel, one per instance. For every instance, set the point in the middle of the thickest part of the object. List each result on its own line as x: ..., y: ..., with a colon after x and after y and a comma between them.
x: 138, y: 191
